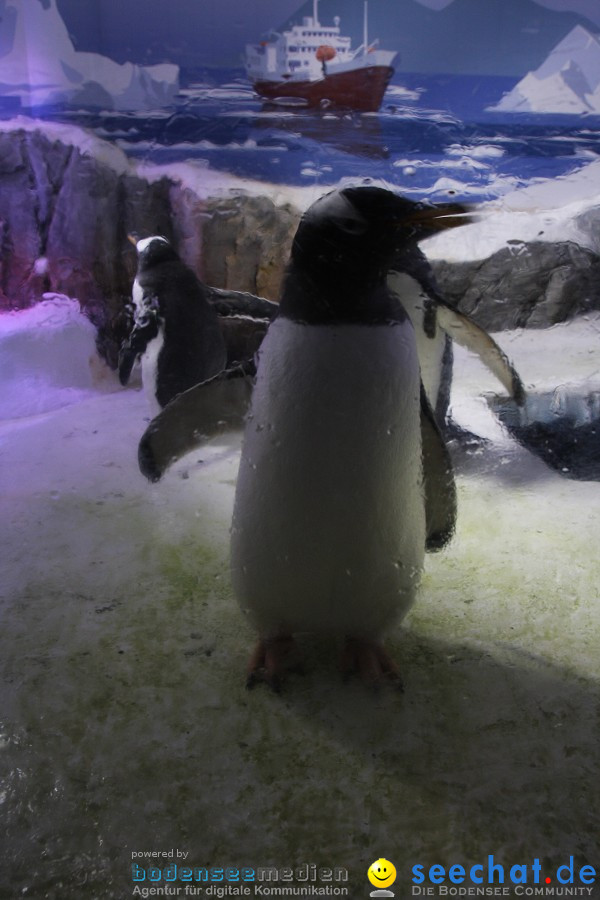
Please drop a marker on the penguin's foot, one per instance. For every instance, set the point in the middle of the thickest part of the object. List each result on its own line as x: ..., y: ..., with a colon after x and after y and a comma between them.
x: 371, y: 662
x: 271, y: 659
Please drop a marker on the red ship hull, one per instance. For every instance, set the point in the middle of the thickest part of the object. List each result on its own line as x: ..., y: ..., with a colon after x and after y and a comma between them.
x: 362, y: 89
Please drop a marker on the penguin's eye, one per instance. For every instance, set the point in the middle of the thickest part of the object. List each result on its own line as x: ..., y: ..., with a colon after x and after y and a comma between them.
x: 352, y: 226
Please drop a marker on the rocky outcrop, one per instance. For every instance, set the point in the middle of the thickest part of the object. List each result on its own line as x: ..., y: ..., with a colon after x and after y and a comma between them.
x: 64, y: 219
x: 240, y: 243
x: 247, y: 243
x: 524, y: 285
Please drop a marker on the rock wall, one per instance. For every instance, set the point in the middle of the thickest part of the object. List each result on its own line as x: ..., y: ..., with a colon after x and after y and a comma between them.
x: 64, y: 221
x: 247, y: 242
x: 239, y: 243
x: 524, y: 285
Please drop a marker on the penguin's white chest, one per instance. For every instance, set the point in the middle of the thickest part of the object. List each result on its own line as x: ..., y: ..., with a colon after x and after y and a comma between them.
x: 150, y: 370
x: 328, y: 530
x: 151, y: 353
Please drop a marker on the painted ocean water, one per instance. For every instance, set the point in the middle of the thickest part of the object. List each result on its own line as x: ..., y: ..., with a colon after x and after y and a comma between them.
x: 432, y: 137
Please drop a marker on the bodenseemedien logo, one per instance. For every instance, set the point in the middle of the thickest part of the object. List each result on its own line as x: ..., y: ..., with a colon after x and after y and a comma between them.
x: 182, y: 879
x: 381, y: 874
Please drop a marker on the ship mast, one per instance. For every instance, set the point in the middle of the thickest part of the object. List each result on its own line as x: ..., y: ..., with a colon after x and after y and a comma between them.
x: 315, y: 16
x: 365, y: 27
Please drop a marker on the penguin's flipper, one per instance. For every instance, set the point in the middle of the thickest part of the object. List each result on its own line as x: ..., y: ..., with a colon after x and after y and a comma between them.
x: 134, y: 347
x: 193, y: 417
x: 438, y: 479
x: 144, y: 330
x: 241, y: 303
x: 127, y: 358
x: 243, y: 336
x: 467, y: 333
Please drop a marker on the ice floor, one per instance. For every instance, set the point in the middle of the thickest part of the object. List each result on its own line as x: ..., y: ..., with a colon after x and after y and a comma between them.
x: 125, y: 723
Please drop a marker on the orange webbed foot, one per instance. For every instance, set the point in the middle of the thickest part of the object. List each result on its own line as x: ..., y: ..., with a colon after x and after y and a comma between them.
x: 371, y: 662
x: 271, y: 659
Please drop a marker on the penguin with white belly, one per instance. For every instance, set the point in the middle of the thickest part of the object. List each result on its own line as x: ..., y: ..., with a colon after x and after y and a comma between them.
x: 344, y: 478
x: 176, y: 331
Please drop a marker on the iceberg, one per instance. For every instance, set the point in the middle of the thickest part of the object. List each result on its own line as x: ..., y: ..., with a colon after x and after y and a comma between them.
x: 567, y: 82
x: 40, y: 66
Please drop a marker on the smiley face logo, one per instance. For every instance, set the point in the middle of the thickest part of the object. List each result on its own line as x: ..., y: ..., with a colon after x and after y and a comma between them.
x: 382, y: 873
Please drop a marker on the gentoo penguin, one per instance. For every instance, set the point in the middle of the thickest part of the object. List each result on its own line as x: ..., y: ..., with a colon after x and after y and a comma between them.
x: 176, y: 330
x: 344, y: 478
x: 436, y: 324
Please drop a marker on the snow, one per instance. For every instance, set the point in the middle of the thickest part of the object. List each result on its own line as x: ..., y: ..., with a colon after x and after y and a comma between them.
x: 567, y: 82
x: 40, y: 66
x: 48, y: 358
x: 126, y: 726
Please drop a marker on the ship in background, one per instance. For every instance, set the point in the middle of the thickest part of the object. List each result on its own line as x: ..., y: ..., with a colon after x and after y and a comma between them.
x: 314, y: 65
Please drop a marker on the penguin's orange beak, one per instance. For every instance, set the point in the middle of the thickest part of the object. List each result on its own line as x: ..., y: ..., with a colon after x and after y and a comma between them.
x: 439, y: 217
x: 132, y: 238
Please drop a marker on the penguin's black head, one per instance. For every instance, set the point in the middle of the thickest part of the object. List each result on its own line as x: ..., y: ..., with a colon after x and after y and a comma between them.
x: 153, y: 251
x: 346, y: 241
x: 360, y: 228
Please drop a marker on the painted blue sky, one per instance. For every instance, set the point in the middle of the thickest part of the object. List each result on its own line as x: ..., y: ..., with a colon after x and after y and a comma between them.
x: 506, y: 36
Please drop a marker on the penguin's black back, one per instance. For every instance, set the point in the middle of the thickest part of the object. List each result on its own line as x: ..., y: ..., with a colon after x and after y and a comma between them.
x: 193, y: 349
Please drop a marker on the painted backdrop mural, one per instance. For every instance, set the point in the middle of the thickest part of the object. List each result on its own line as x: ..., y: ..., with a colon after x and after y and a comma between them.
x: 465, y: 74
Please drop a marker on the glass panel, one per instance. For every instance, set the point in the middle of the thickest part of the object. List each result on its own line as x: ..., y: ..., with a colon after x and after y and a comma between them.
x: 172, y: 494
